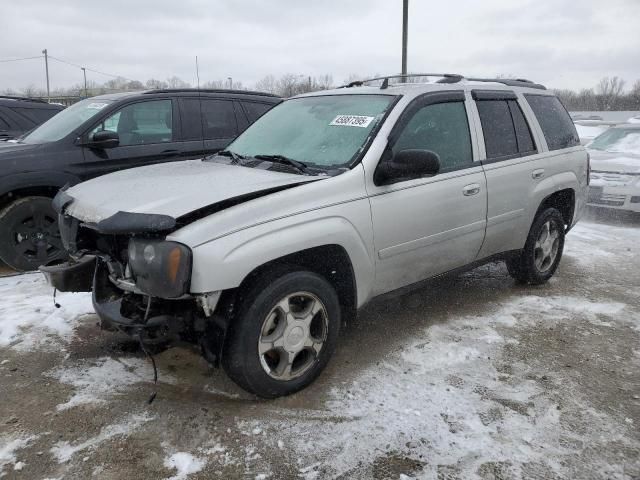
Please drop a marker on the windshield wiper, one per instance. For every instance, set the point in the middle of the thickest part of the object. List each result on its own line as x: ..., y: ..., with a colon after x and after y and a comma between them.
x: 236, y: 158
x: 298, y: 165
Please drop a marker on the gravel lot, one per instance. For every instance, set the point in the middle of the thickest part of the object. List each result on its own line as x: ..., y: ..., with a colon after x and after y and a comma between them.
x: 467, y: 377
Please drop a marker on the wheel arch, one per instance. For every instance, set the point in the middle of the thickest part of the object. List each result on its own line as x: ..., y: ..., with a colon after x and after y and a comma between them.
x: 40, y: 184
x: 564, y: 201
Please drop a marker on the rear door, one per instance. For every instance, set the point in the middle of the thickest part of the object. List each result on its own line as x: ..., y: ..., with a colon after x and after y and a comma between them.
x: 207, y: 125
x: 426, y: 226
x: 513, y: 166
x: 146, y: 130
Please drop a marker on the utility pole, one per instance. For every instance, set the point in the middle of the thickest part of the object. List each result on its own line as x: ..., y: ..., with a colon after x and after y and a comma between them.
x: 309, y: 82
x: 230, y: 83
x: 405, y: 28
x: 84, y: 72
x: 46, y: 68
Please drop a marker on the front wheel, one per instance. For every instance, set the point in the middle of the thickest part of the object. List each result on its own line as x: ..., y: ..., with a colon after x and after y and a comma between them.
x: 541, y: 255
x: 29, y: 235
x: 284, y: 334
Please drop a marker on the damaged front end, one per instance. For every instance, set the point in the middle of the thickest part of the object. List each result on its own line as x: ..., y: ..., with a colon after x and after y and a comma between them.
x: 140, y: 281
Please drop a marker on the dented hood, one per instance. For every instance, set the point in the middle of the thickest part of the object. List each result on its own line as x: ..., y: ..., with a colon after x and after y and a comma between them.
x: 171, y: 189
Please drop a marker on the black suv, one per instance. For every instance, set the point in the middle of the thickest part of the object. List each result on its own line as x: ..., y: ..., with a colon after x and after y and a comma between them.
x: 100, y: 135
x: 19, y: 115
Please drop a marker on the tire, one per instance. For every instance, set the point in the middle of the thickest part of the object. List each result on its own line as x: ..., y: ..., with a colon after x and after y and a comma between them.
x: 310, y: 338
x: 542, y: 252
x: 29, y: 235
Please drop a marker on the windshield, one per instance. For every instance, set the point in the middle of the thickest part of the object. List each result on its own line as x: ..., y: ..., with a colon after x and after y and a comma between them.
x: 618, y: 140
x: 66, y: 121
x: 324, y: 131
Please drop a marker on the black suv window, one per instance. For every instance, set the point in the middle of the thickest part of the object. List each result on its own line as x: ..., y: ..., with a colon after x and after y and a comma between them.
x: 556, y: 124
x: 505, y: 129
x: 442, y: 128
x: 218, y: 119
x: 255, y: 110
x: 141, y: 123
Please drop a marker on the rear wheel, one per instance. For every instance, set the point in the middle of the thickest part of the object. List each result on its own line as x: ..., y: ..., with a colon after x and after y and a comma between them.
x: 284, y: 334
x: 541, y: 255
x: 29, y: 235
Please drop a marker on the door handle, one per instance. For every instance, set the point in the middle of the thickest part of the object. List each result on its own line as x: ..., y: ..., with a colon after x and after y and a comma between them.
x: 536, y: 174
x: 471, y: 189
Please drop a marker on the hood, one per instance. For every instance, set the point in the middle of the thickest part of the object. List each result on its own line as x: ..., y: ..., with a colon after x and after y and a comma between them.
x: 614, y: 162
x: 10, y: 149
x: 171, y: 189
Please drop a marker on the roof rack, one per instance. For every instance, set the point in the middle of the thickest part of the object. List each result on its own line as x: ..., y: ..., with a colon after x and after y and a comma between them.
x: 11, y: 97
x: 448, y: 78
x: 209, y: 90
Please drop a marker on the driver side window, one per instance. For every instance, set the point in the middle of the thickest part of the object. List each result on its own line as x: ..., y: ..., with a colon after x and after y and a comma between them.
x: 141, y: 123
x: 442, y: 128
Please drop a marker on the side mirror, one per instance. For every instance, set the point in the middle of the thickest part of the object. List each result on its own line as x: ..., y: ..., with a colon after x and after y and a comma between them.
x: 104, y: 139
x: 407, y: 164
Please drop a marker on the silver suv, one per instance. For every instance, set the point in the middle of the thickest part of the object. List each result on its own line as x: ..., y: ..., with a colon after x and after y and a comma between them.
x: 259, y: 253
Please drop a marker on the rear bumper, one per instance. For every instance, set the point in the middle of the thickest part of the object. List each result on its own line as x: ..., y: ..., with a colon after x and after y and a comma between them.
x: 618, y: 198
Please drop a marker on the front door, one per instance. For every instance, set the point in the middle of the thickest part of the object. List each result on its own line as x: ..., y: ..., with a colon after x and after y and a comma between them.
x: 146, y: 133
x: 426, y: 226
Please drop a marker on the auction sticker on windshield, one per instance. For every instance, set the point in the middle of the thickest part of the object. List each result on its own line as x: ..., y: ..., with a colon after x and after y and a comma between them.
x: 352, y: 121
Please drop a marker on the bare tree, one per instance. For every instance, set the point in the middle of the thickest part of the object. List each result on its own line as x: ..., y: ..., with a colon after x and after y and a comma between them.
x: 154, y: 84
x: 267, y: 84
x: 176, y: 82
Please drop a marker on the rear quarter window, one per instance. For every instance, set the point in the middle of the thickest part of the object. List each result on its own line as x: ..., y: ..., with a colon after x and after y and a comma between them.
x: 255, y: 110
x: 554, y: 120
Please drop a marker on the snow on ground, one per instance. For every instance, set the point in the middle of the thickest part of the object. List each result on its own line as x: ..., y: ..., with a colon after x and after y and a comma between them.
x: 29, y: 318
x: 64, y: 451
x: 96, y: 381
x: 185, y: 464
x: 8, y: 447
x: 465, y: 419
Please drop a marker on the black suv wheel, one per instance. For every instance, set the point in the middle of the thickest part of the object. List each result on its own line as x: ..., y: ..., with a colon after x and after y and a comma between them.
x: 29, y: 235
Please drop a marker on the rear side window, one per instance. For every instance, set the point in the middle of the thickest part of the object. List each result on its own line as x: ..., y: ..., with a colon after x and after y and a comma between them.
x: 442, y: 128
x: 523, y: 132
x: 556, y: 124
x: 505, y: 129
x: 3, y: 125
x: 36, y: 115
x: 498, y: 130
x: 255, y: 110
x: 218, y: 119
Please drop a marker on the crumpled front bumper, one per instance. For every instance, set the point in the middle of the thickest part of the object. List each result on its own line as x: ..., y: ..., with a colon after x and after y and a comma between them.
x: 90, y: 274
x: 71, y: 276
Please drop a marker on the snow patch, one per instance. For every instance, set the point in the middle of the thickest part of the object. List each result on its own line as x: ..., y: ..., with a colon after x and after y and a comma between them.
x: 63, y: 451
x: 185, y: 464
x: 28, y: 318
x: 98, y: 380
x: 8, y: 447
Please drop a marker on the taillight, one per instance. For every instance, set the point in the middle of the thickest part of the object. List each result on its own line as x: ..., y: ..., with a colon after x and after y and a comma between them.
x: 588, y: 168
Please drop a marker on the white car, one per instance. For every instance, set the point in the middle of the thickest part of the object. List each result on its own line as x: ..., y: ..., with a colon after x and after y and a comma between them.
x: 259, y: 253
x: 615, y: 169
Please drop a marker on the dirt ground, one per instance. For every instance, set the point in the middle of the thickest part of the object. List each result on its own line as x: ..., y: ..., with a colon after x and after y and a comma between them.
x: 467, y: 377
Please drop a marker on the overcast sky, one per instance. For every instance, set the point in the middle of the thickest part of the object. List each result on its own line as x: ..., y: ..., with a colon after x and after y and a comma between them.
x: 562, y: 43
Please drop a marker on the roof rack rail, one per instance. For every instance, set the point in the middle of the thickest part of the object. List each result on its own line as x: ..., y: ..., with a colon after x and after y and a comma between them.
x: 12, y: 97
x: 511, y: 82
x: 447, y: 78
x: 209, y: 90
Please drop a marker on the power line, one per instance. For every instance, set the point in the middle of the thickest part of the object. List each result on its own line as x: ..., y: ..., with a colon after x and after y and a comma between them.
x: 89, y: 69
x: 19, y: 59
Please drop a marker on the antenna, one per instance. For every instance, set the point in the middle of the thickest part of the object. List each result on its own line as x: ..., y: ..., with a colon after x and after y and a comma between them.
x: 204, y: 147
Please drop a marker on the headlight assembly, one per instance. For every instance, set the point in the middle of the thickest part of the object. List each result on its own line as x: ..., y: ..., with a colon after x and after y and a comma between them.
x: 160, y: 268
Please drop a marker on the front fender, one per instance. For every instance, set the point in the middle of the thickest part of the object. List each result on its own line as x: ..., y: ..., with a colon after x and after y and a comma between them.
x: 16, y: 181
x: 225, y: 262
